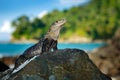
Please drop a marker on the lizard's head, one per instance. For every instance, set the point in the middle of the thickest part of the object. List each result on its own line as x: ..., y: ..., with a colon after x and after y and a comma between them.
x: 55, y: 29
x: 57, y: 25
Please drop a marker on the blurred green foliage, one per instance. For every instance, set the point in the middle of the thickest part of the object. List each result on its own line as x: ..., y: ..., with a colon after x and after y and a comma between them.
x: 99, y: 19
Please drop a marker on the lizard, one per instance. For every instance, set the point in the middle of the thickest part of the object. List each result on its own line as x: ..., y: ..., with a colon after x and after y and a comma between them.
x: 47, y: 43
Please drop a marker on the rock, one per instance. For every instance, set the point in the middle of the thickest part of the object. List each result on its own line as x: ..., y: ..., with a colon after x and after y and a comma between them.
x: 67, y: 64
x: 3, y: 67
x: 107, y: 58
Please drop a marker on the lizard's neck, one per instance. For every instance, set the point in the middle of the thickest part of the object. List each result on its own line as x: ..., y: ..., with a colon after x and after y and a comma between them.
x: 52, y: 35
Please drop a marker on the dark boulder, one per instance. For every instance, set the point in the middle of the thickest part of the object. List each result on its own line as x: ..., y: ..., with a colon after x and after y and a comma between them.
x: 67, y: 64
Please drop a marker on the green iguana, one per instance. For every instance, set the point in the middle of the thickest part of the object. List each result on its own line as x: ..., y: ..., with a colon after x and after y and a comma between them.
x: 47, y: 43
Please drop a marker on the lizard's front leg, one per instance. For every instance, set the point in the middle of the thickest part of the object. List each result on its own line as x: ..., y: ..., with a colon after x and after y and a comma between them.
x: 55, y: 45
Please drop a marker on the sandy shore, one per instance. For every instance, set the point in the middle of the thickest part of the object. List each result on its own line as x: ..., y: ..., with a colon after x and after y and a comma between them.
x: 73, y: 39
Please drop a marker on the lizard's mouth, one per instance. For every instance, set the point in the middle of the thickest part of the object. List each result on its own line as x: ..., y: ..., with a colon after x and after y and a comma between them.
x: 62, y: 22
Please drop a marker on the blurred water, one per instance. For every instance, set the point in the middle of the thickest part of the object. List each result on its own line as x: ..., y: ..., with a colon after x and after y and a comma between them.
x: 12, y: 49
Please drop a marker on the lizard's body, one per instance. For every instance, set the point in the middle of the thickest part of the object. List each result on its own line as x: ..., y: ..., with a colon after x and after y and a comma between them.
x: 45, y: 44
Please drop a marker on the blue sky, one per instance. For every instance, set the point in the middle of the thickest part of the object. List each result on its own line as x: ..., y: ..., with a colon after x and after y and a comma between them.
x: 11, y: 9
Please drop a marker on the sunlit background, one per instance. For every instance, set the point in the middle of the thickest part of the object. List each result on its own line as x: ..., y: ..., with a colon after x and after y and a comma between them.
x: 92, y: 25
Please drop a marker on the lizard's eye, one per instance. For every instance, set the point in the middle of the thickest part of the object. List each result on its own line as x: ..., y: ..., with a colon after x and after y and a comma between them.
x: 56, y: 21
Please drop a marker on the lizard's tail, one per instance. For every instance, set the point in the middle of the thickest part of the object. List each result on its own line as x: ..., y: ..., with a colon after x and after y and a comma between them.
x: 5, y: 75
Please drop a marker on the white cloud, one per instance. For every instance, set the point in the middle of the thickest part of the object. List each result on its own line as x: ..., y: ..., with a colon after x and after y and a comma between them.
x: 6, y: 31
x: 6, y: 27
x: 41, y: 14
